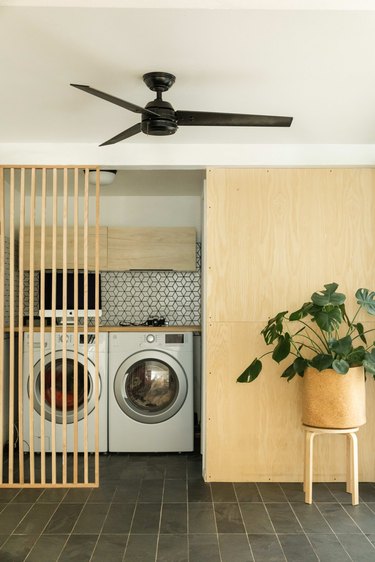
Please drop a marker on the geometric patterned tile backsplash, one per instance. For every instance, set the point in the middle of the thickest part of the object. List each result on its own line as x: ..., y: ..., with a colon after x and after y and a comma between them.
x: 135, y: 296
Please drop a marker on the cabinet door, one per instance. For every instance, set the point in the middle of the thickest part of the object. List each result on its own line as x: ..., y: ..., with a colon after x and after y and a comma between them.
x: 70, y: 246
x: 152, y: 248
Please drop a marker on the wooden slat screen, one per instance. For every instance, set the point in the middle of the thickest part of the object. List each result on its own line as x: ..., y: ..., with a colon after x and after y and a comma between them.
x: 48, y: 427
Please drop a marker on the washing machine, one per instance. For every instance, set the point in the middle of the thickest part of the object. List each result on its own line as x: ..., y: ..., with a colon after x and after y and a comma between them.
x: 91, y: 391
x: 150, y: 402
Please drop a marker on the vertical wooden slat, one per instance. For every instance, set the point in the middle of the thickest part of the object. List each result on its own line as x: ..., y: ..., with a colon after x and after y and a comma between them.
x: 31, y: 327
x: 53, y: 326
x: 42, y: 327
x: 75, y: 382
x: 21, y: 398
x: 85, y: 324
x: 64, y: 330
x: 97, y: 342
x: 2, y: 327
x: 11, y: 329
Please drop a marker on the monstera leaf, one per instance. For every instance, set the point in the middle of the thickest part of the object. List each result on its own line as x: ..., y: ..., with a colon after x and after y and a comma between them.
x: 366, y: 299
x: 328, y: 318
x: 329, y: 296
x: 251, y: 372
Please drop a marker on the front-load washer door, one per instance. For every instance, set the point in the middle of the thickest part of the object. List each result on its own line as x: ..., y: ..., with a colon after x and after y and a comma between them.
x: 48, y: 377
x: 150, y: 386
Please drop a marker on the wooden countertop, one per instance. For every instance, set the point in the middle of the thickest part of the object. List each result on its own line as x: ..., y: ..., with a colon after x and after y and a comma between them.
x: 117, y: 329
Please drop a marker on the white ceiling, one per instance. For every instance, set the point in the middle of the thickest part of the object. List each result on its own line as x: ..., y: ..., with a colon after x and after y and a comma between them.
x: 315, y: 65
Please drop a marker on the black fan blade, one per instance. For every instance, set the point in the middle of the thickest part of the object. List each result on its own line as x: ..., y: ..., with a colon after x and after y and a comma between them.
x: 230, y: 119
x: 124, y: 135
x: 113, y: 99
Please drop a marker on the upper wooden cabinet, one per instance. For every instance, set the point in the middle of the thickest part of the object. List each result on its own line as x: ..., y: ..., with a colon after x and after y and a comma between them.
x: 152, y: 248
x: 70, y: 248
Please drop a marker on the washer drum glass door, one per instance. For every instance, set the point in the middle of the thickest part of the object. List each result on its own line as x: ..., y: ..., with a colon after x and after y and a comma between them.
x: 150, y: 386
x: 59, y: 361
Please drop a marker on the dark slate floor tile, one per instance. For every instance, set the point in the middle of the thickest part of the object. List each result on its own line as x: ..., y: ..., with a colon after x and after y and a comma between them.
x: 328, y: 548
x: 247, y: 492
x: 204, y: 548
x: 256, y: 518
x: 127, y: 491
x: 223, y: 492
x: 110, y: 548
x: 337, y: 518
x: 47, y: 548
x: 371, y: 538
x: 235, y: 548
x: 78, y: 548
x: 151, y: 490
x: 64, y: 519
x: 52, y: 495
x: 363, y: 516
x: 283, y: 518
x: 77, y: 495
x: 338, y: 490
x: 11, y: 516
x: 199, y: 491
x: 36, y: 519
x: 296, y: 547
x: 228, y: 518
x: 103, y: 494
x: 141, y: 548
x: 321, y: 493
x: 175, y: 490
x: 146, y: 518
x: 119, y: 518
x: 3, y: 538
x: 266, y: 548
x: 91, y: 519
x: 17, y: 547
x: 8, y: 494
x: 194, y: 469
x: 358, y: 547
x: 271, y: 492
x: 176, y: 471
x: 28, y: 495
x: 201, y: 518
x: 310, y: 518
x: 367, y: 491
x: 293, y: 491
x: 173, y: 518
x: 172, y: 548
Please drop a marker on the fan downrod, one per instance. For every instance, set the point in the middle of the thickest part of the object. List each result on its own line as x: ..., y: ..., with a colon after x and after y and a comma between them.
x: 159, y: 81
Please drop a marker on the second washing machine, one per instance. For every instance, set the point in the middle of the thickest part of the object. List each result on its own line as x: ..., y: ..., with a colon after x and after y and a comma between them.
x: 56, y: 371
x: 150, y: 400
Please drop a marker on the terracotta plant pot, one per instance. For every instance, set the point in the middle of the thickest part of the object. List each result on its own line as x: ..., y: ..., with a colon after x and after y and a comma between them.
x: 334, y: 401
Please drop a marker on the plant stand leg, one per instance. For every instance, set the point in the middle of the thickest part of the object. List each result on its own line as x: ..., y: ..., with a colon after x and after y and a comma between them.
x: 309, y: 454
x: 349, y: 465
x: 354, y: 467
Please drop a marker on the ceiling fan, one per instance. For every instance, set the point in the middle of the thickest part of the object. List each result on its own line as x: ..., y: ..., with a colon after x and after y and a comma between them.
x: 159, y: 117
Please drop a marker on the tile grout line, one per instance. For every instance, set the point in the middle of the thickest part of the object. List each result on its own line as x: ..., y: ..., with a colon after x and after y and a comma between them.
x: 269, y: 517
x: 326, y: 520
x: 160, y: 517
x: 133, y: 516
x: 243, y: 521
x: 101, y: 528
x: 217, y: 531
x: 71, y: 532
x: 45, y: 526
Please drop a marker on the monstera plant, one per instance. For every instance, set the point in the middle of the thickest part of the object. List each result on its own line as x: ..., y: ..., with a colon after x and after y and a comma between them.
x: 321, y: 335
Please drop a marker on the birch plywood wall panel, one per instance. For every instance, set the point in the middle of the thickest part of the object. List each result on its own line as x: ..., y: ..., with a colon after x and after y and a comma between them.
x: 272, y: 238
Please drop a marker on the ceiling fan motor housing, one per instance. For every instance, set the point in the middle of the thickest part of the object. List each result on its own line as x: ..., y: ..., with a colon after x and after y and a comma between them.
x: 165, y: 124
